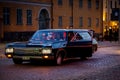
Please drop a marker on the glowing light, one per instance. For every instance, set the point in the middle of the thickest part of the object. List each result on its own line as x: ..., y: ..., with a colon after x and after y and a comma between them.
x: 45, y: 56
x: 104, y: 16
x: 9, y: 55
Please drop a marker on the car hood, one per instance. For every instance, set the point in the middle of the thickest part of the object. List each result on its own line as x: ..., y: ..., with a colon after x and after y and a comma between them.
x: 37, y: 44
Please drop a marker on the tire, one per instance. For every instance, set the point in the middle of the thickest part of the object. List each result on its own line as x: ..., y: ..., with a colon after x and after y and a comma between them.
x: 59, y: 59
x: 17, y: 61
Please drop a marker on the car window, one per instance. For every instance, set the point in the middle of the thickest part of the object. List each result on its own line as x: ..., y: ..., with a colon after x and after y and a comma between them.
x: 77, y: 36
x: 85, y: 35
x: 52, y: 36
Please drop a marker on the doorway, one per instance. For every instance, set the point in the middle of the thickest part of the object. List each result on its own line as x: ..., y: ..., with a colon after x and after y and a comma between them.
x: 44, y: 20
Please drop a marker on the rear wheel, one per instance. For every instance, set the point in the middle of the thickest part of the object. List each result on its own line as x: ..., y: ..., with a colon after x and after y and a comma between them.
x: 17, y: 61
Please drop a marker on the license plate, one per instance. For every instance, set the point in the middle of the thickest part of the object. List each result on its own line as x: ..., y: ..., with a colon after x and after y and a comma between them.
x: 25, y: 58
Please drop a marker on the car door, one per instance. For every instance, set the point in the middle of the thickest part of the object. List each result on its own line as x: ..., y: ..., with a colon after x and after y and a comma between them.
x: 78, y: 42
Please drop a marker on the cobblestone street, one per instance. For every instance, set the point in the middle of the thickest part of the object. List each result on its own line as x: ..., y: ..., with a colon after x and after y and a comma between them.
x: 104, y: 65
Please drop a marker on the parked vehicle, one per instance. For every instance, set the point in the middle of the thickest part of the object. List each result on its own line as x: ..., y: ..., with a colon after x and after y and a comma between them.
x: 52, y: 44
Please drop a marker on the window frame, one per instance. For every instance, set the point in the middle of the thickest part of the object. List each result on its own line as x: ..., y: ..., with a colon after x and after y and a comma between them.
x: 29, y: 16
x: 89, y: 21
x: 19, y: 16
x: 81, y: 22
x: 6, y: 15
x: 60, y: 2
x: 89, y: 4
x: 97, y: 4
x: 60, y: 23
x: 97, y: 22
x: 80, y: 3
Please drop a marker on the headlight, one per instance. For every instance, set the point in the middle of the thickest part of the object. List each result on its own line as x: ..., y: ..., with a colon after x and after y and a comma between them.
x: 46, y: 51
x: 9, y: 50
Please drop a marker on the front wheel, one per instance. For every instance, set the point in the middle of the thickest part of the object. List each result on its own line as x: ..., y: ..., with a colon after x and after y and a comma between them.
x: 59, y: 59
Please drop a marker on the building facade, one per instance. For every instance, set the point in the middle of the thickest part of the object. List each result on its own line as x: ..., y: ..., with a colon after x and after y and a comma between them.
x: 19, y: 19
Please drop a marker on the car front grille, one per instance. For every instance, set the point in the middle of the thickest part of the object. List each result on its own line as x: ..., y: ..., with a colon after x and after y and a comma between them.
x: 27, y: 51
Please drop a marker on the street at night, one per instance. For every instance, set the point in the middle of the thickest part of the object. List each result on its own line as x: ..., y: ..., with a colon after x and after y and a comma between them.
x: 60, y: 39
x: 104, y: 65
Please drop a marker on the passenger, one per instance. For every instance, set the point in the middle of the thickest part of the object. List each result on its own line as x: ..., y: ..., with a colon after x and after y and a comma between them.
x: 44, y: 36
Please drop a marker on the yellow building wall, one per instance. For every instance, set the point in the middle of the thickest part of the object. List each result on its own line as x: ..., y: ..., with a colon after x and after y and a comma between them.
x: 64, y: 10
x: 61, y: 10
x: 13, y: 27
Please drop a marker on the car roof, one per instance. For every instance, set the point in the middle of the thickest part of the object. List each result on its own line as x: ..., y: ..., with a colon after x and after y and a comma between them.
x: 67, y: 30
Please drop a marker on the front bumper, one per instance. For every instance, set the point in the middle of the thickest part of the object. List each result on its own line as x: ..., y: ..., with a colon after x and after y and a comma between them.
x: 27, y: 58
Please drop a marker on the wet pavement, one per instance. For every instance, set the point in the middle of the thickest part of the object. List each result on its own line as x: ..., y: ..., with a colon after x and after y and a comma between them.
x: 104, y: 65
x: 108, y: 43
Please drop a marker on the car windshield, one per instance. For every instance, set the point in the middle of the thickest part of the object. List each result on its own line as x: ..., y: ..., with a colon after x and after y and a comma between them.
x: 49, y: 36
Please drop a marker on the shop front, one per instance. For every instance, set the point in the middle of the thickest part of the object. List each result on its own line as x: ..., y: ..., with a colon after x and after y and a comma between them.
x: 111, y: 31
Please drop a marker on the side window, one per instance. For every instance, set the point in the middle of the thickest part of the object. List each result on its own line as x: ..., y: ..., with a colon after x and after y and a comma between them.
x: 70, y: 36
x: 77, y: 36
x: 85, y: 35
x: 74, y: 36
x: 60, y: 36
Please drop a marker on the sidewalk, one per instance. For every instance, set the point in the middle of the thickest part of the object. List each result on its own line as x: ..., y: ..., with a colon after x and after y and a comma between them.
x: 108, y: 43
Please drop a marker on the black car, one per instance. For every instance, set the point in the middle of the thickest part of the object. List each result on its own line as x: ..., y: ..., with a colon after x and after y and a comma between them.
x: 52, y: 44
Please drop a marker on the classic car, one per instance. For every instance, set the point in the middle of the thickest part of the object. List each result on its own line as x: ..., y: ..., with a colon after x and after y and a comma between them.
x: 52, y: 44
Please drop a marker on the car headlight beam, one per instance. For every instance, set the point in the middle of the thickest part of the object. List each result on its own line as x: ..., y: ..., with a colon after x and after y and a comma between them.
x: 46, y: 51
x: 9, y: 50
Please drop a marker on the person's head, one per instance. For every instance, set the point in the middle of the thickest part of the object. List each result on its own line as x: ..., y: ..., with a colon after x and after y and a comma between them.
x: 43, y: 36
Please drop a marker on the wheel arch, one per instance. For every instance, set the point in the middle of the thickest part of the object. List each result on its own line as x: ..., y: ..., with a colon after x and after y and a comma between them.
x: 61, y: 51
